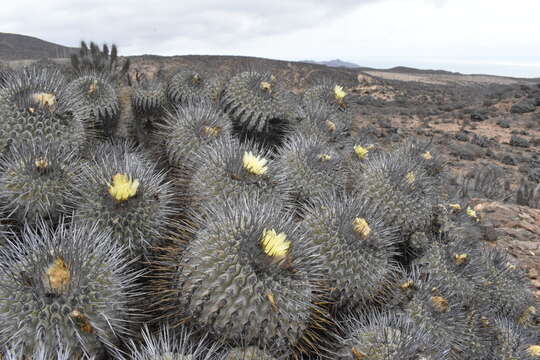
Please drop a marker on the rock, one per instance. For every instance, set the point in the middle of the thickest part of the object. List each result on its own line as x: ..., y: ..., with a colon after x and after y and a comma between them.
x: 524, y: 106
x: 480, y: 140
x: 508, y: 160
x: 505, y: 124
x: 519, y: 141
x: 534, y: 174
x: 465, y: 151
x: 518, y: 229
x: 479, y: 115
x: 462, y: 136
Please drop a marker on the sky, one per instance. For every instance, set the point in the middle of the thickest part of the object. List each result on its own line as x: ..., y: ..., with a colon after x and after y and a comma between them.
x: 498, y: 37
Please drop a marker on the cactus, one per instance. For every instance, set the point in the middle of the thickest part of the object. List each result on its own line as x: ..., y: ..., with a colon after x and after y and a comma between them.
x: 100, y: 102
x: 310, y: 168
x: 228, y: 169
x: 438, y: 312
x: 382, y: 336
x: 5, y: 70
x: 93, y: 60
x: 188, y: 128
x: 430, y: 157
x: 528, y: 194
x: 401, y: 185
x: 513, y: 341
x: 325, y: 122
x: 68, y: 288
x: 356, y: 249
x: 34, y: 105
x: 125, y: 194
x: 486, y: 181
x: 172, y: 344
x: 248, y: 353
x: 149, y: 103
x: 248, y: 276
x: 187, y: 86
x: 36, y: 180
x: 503, y: 288
x: 328, y: 94
x: 149, y: 97
x: 259, y: 108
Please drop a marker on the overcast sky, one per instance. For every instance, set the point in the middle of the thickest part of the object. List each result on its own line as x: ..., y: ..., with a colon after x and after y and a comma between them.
x: 471, y: 36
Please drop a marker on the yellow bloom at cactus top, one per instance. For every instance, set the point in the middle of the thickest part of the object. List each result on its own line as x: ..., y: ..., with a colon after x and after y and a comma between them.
x: 361, y: 151
x: 534, y: 350
x: 427, y: 156
x: 274, y: 244
x: 58, y: 275
x: 361, y: 227
x: 254, y: 164
x: 411, y: 178
x: 123, y: 187
x: 45, y: 99
x: 339, y: 93
x: 471, y: 212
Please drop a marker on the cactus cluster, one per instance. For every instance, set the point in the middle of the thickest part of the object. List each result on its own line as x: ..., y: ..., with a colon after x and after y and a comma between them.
x: 92, y: 59
x: 124, y: 194
x: 67, y: 290
x: 36, y: 181
x: 240, y: 222
x: 99, y: 99
x: 188, y: 85
x: 35, y: 105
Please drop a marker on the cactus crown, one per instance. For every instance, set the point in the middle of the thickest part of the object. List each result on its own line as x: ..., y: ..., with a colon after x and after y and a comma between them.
x: 274, y: 244
x: 254, y: 164
x: 361, y: 227
x: 339, y: 93
x: 123, y: 187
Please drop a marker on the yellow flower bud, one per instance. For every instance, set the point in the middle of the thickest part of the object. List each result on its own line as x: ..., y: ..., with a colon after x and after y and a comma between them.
x: 274, y: 244
x: 254, y: 164
x: 123, y: 187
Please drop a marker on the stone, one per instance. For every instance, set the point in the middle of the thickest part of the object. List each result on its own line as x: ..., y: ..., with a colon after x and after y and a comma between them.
x: 523, y: 107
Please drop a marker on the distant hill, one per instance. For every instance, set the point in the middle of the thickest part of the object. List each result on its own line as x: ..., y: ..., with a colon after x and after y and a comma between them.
x: 334, y: 63
x: 408, y: 70
x: 22, y: 47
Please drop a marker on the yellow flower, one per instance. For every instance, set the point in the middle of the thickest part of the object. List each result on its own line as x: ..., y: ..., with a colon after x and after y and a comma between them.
x: 461, y: 258
x: 471, y: 212
x: 266, y: 86
x: 361, y: 151
x: 93, y: 87
x: 427, y: 155
x: 275, y: 244
x: 41, y: 164
x: 45, y: 99
x: 411, y: 177
x: 455, y: 207
x: 212, y: 131
x: 325, y: 157
x: 339, y: 93
x: 58, y: 275
x: 123, y: 187
x: 254, y: 164
x: 330, y: 126
x: 361, y: 227
x: 534, y: 350
x: 439, y: 303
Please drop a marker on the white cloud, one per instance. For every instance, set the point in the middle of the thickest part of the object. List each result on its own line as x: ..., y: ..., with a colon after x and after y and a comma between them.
x: 496, y: 31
